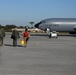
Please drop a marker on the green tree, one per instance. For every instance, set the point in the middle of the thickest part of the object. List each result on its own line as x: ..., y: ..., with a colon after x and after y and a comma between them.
x: 20, y: 27
x: 1, y: 26
x: 32, y: 24
x: 9, y: 27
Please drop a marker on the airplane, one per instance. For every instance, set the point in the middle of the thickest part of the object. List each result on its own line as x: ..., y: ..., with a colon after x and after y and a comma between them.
x: 58, y: 25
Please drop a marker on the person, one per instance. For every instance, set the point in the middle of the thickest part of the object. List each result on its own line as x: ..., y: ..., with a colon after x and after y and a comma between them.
x: 15, y: 35
x: 26, y: 36
x: 2, y: 35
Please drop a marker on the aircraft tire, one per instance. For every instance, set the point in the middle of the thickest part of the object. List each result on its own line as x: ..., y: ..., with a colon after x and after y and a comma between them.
x: 50, y: 36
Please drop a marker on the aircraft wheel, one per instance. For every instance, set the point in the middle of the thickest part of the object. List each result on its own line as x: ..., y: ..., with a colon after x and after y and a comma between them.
x: 50, y: 36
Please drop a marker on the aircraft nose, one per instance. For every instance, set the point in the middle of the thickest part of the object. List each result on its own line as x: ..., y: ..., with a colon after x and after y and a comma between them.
x: 37, y: 25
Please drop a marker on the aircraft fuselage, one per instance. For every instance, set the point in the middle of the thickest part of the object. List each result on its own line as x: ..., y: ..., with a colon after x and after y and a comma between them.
x: 58, y: 24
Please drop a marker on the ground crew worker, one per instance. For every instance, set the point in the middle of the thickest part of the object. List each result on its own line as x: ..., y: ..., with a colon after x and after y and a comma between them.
x: 2, y: 35
x: 15, y: 36
x: 26, y: 36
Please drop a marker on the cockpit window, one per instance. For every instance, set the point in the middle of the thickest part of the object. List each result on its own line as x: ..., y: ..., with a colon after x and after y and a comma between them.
x: 42, y: 21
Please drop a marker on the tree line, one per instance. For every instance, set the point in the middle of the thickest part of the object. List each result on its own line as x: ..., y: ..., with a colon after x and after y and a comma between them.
x: 9, y: 28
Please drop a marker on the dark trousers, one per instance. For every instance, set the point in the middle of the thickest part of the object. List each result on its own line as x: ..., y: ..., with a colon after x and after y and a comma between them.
x: 1, y: 41
x: 14, y: 42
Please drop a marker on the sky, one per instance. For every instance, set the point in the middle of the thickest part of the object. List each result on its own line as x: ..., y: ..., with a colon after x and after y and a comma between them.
x: 21, y: 12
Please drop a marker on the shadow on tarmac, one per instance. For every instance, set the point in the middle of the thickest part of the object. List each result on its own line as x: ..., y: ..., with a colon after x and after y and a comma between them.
x: 12, y: 45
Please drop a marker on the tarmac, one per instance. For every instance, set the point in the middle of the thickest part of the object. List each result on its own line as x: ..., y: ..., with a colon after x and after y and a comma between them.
x: 42, y: 56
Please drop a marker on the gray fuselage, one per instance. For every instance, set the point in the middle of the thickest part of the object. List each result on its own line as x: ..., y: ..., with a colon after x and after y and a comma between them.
x: 58, y: 24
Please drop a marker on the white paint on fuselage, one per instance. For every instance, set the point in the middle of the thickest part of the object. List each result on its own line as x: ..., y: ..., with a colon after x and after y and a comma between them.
x: 65, y: 23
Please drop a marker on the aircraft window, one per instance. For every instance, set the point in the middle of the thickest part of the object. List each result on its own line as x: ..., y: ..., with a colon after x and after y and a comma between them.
x: 42, y: 21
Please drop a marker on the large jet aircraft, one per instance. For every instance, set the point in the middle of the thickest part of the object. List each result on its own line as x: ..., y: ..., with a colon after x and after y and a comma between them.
x: 58, y: 25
